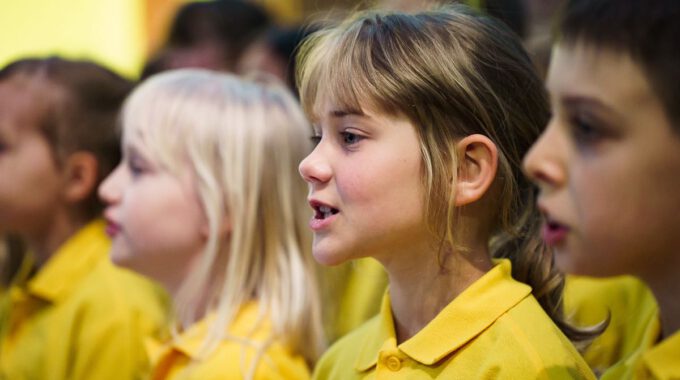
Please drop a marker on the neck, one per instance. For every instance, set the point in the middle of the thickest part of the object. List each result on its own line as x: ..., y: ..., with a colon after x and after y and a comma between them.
x: 421, y: 284
x: 44, y: 242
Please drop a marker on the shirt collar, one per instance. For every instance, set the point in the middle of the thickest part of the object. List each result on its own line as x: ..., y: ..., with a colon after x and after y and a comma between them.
x: 478, y: 307
x: 70, y: 263
x: 247, y: 321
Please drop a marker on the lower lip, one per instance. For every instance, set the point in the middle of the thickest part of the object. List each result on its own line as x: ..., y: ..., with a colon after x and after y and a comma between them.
x: 321, y: 224
x: 112, y: 229
x: 554, y: 235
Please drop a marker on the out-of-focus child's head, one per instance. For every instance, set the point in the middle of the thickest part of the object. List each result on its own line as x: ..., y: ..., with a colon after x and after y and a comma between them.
x: 274, y: 53
x: 647, y: 32
x: 608, y: 162
x: 210, y: 35
x: 54, y: 112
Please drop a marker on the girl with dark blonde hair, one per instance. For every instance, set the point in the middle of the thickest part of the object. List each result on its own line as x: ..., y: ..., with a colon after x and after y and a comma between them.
x: 421, y: 122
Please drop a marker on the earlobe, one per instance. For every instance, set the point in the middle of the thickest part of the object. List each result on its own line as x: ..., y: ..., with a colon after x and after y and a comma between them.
x: 80, y: 176
x: 477, y: 167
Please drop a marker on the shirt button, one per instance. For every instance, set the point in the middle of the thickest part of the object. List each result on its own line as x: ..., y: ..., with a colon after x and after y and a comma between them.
x: 393, y: 363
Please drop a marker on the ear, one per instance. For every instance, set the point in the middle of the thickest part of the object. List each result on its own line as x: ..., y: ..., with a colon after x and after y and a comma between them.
x: 80, y: 176
x: 477, y: 166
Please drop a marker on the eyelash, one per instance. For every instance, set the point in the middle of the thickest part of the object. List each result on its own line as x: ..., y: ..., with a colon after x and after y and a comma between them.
x: 135, y: 168
x: 585, y: 131
x: 316, y: 139
x: 346, y: 135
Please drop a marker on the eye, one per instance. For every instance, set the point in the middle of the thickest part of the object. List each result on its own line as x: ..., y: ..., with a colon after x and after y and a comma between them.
x: 316, y: 139
x: 586, y: 132
x: 349, y: 138
x: 136, y: 167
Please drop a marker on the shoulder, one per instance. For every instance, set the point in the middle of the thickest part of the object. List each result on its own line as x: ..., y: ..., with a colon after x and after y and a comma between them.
x: 528, y: 341
x: 253, y: 352
x: 111, y: 301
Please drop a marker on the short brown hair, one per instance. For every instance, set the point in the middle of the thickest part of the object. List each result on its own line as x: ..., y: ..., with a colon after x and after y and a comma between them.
x: 647, y: 31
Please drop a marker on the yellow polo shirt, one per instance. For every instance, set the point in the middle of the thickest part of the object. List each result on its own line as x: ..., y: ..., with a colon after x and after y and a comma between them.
x: 651, y: 360
x: 351, y: 295
x: 233, y: 357
x: 79, y: 317
x: 495, y: 329
x: 634, y: 316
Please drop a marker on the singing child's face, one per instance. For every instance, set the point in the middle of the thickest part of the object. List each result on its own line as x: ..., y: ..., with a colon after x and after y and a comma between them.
x: 154, y: 218
x: 29, y: 177
x: 365, y: 186
x: 608, y: 166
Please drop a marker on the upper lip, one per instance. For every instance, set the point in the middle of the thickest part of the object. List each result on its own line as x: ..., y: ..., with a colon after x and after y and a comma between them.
x: 548, y: 217
x: 110, y: 221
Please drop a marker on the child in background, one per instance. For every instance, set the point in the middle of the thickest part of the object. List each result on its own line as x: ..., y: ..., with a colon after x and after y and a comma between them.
x: 70, y: 314
x: 421, y: 123
x: 207, y: 201
x: 608, y: 164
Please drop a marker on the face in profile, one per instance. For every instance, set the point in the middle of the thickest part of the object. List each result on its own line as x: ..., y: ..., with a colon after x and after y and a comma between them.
x: 608, y: 167
x: 29, y: 176
x: 154, y: 217
x: 365, y: 186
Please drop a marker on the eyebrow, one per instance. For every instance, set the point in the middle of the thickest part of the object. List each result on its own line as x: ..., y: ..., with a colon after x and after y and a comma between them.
x: 576, y: 100
x: 344, y: 113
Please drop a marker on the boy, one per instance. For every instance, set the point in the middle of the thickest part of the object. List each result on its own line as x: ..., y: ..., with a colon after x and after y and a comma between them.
x: 608, y: 163
x: 71, y: 315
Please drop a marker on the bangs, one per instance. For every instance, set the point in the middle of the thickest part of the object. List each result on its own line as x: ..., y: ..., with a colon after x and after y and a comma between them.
x: 349, y: 66
x: 168, y: 112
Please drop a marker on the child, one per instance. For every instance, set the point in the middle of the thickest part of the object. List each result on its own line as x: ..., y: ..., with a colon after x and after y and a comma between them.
x: 69, y: 313
x: 608, y: 164
x: 421, y: 122
x: 207, y: 202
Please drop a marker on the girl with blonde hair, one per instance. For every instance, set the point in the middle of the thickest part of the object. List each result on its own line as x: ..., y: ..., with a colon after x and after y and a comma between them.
x: 207, y: 201
x: 421, y: 121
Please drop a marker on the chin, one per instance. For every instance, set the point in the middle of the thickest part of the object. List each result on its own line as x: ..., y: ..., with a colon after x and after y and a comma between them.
x: 120, y: 257
x: 329, y: 257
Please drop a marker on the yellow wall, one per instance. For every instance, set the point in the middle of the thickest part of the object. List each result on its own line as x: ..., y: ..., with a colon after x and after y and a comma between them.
x: 110, y: 32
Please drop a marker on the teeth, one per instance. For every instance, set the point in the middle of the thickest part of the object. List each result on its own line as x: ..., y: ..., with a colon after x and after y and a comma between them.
x: 326, y: 211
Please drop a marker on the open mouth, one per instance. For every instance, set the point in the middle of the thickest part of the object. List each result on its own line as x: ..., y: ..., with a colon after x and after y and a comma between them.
x: 553, y: 226
x: 322, y: 211
x: 554, y: 232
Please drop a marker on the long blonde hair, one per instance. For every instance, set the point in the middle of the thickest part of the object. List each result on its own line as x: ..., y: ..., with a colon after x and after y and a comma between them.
x: 243, y: 141
x: 452, y: 73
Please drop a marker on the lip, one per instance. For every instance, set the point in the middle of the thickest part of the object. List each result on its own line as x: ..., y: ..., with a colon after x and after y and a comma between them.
x: 317, y: 224
x: 112, y: 228
x: 554, y: 233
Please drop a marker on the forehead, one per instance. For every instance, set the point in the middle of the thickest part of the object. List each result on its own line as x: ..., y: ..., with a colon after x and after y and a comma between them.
x: 20, y: 110
x: 611, y: 77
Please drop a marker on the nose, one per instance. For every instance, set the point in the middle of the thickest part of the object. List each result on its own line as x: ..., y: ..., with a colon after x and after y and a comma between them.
x: 110, y: 189
x: 315, y: 168
x: 544, y: 164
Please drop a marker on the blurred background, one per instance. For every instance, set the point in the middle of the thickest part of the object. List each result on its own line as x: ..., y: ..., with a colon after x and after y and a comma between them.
x: 134, y: 37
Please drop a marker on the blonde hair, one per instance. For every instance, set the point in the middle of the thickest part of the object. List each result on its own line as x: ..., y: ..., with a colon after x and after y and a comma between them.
x: 243, y: 141
x: 452, y: 73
